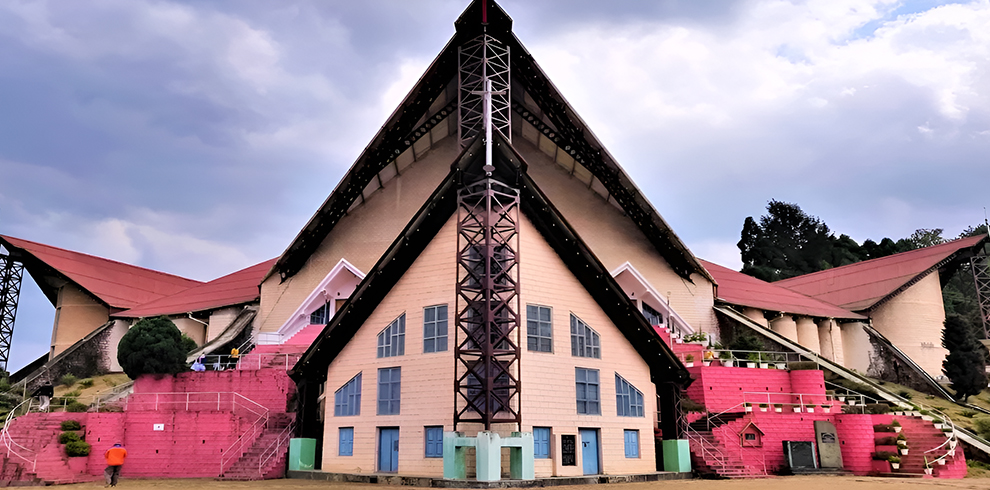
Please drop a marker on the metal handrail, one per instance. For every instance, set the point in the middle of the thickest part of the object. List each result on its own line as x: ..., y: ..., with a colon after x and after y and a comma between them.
x: 274, y: 448
x: 222, y: 362
x: 8, y: 441
x: 189, y: 402
x: 237, y: 449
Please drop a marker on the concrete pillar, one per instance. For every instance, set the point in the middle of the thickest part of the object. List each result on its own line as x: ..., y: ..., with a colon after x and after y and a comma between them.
x: 856, y: 346
x: 807, y: 333
x: 785, y: 326
x: 831, y: 340
x: 489, y: 456
x: 756, y: 315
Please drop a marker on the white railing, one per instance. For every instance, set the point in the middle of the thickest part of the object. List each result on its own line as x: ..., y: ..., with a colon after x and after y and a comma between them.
x: 191, y: 401
x: 248, y: 361
x: 275, y: 448
x: 240, y: 446
x: 29, y: 456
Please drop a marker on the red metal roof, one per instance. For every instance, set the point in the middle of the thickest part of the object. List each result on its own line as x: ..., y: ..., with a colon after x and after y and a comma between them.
x: 233, y: 289
x: 861, y: 285
x: 115, y: 283
x: 740, y: 289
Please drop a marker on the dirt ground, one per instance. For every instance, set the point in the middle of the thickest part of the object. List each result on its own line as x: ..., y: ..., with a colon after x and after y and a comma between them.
x: 779, y: 483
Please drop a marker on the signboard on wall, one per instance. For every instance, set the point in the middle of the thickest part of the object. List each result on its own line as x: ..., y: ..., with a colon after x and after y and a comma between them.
x: 159, y: 427
x: 568, y: 448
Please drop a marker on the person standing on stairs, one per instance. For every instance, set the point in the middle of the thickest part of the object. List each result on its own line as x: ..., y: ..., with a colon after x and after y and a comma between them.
x: 44, y: 393
x: 115, y: 459
x: 235, y: 355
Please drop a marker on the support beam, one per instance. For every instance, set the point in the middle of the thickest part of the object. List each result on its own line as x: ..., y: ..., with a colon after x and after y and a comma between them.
x: 11, y: 275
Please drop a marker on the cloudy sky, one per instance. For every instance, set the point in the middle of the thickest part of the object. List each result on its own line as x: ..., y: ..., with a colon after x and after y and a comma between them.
x: 198, y: 137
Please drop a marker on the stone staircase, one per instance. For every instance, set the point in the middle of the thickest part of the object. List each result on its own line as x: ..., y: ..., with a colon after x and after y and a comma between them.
x: 266, y: 458
x: 711, y: 457
x: 38, y: 434
x: 921, y: 436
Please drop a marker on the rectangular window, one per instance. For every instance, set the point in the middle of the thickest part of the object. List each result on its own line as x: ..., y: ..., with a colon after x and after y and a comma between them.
x: 345, y: 446
x: 392, y: 340
x: 539, y: 329
x: 588, y: 399
x: 628, y: 400
x: 541, y: 442
x: 585, y: 341
x: 389, y: 390
x: 435, y: 328
x: 321, y: 316
x: 652, y: 316
x: 434, y: 442
x: 347, y: 400
x: 632, y: 443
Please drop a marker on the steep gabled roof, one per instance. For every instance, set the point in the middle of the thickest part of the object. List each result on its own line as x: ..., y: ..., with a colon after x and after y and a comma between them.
x: 428, y: 221
x: 865, y: 285
x: 553, y: 116
x: 116, y: 284
x: 233, y: 289
x: 739, y: 289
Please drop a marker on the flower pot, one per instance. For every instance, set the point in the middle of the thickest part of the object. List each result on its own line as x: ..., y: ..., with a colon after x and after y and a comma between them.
x: 748, y: 409
x: 781, y: 365
x: 897, y: 429
x: 842, y: 398
x: 764, y: 365
x: 763, y: 409
x: 778, y: 409
x: 928, y: 471
x: 726, y: 362
x: 827, y: 409
x: 927, y: 418
x: 895, y: 466
x: 852, y: 402
x: 751, y: 364
x: 904, y: 452
x: 939, y: 426
x: 797, y: 409
x: 941, y: 462
x: 679, y: 341
x: 810, y: 409
x: 706, y: 363
x: 689, y: 364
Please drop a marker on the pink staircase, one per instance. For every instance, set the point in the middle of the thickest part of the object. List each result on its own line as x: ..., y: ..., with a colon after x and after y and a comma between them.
x: 266, y: 458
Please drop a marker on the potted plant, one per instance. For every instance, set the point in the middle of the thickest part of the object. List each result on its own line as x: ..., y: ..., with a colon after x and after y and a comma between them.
x: 748, y: 407
x: 763, y: 407
x: 706, y: 358
x: 752, y: 359
x: 896, y: 425
x: 780, y: 365
x: 696, y: 338
x: 726, y: 358
x: 810, y: 408
x: 928, y: 466
x: 827, y: 408
x: 778, y: 407
x: 895, y: 462
x: 841, y: 398
x: 797, y: 408
x: 689, y: 360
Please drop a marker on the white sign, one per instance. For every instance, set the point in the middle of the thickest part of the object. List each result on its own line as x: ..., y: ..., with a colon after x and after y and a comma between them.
x: 159, y: 426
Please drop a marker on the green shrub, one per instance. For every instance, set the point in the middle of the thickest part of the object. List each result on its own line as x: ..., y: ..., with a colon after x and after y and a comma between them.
x: 695, y: 337
x: 75, y: 406
x: 151, y: 346
x: 4, y: 384
x: 882, y: 455
x: 982, y: 427
x: 67, y: 437
x: 883, y: 428
x: 904, y: 394
x: 877, y: 408
x: 886, y: 441
x: 802, y: 366
x: 77, y: 448
x: 967, y: 413
x: 689, y: 405
x: 188, y: 344
x: 68, y: 380
x: 71, y: 425
x: 87, y: 383
x: 72, y: 394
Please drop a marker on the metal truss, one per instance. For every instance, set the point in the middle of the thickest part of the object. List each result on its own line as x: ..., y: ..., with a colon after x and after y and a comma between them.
x: 980, y: 265
x: 482, y: 58
x: 487, y: 346
x: 11, y: 274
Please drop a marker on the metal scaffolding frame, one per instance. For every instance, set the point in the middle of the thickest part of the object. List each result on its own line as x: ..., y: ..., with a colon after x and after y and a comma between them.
x: 480, y: 59
x: 11, y: 275
x: 980, y: 265
x: 487, y: 347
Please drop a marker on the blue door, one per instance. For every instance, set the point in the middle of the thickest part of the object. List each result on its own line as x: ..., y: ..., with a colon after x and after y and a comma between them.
x: 388, y: 449
x: 589, y: 451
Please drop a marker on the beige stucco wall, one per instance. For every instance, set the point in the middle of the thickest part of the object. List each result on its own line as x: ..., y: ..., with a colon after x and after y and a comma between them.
x: 807, y: 333
x: 856, y: 347
x: 756, y: 315
x: 785, y: 326
x: 191, y: 328
x: 76, y: 315
x: 913, y: 321
x: 830, y: 338
x: 548, y: 394
x: 611, y: 235
x: 220, y: 320
x: 361, y: 236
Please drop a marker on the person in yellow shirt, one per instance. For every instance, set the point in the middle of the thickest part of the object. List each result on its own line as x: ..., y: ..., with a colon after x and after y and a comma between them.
x: 115, y: 459
x: 235, y: 355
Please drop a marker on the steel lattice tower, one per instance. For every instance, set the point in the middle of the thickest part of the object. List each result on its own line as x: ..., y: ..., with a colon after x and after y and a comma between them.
x: 11, y: 274
x: 483, y: 58
x: 487, y: 345
x: 980, y: 265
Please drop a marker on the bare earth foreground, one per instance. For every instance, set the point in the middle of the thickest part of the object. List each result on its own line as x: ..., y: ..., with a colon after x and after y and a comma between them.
x: 779, y: 483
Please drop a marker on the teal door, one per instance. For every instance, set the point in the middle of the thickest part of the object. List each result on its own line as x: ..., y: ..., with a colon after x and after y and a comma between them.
x: 388, y: 449
x: 589, y: 451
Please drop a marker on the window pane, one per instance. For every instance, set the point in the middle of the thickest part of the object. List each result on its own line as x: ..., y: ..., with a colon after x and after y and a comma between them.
x: 539, y: 329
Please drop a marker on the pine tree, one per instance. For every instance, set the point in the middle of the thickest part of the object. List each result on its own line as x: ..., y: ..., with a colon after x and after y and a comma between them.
x: 964, y: 365
x: 152, y: 346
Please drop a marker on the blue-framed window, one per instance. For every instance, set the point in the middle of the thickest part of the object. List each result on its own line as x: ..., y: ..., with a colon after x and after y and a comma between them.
x: 588, y: 394
x: 652, y: 316
x: 585, y: 341
x: 434, y: 442
x: 541, y: 442
x: 345, y: 443
x: 347, y: 399
x: 631, y: 443
x: 392, y: 340
x: 321, y: 316
x: 435, y: 328
x: 628, y: 400
x: 539, y: 329
x: 389, y: 390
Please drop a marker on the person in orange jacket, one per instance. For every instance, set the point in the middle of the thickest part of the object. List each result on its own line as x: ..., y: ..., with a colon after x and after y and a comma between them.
x: 115, y: 459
